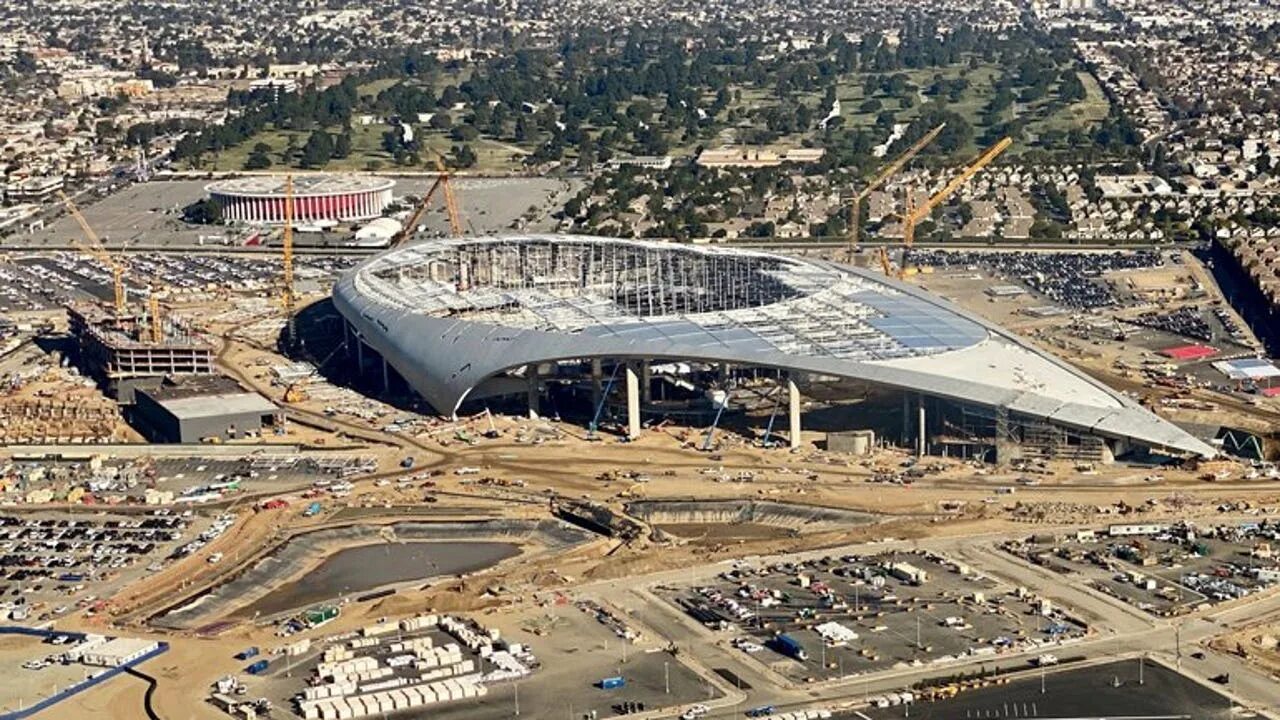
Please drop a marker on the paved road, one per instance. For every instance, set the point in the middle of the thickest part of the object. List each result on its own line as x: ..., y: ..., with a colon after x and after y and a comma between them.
x: 1120, y: 631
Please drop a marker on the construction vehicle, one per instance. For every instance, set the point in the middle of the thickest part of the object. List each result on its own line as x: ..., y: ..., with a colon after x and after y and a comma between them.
x: 915, y: 215
x: 855, y: 210
x: 492, y: 432
x: 294, y: 394
x: 442, y: 184
x: 98, y: 251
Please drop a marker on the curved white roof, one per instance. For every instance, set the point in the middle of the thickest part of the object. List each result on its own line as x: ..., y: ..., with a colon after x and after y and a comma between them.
x: 303, y: 185
x: 449, y: 313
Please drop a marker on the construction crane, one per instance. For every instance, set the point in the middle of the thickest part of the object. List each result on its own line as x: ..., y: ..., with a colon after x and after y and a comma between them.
x: 450, y: 204
x: 153, y: 312
x: 450, y: 200
x: 98, y: 251
x: 913, y: 216
x: 855, y: 211
x: 288, y: 298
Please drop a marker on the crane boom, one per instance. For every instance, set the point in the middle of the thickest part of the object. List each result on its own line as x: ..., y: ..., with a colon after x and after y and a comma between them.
x: 412, y: 224
x: 450, y: 201
x: 855, y: 211
x: 915, y: 216
x: 98, y: 251
x: 902, y: 160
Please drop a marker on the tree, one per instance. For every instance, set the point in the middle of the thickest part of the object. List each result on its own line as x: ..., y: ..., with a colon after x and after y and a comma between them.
x: 318, y: 150
x: 463, y: 156
x: 257, y: 160
x: 342, y: 146
x: 204, y: 212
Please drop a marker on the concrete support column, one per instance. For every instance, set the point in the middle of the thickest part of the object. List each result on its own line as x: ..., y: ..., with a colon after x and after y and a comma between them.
x: 793, y: 411
x: 646, y: 383
x: 531, y: 377
x: 633, y: 402
x: 922, y: 432
x: 386, y: 377
x: 360, y: 356
x: 597, y: 389
x: 906, y: 419
x: 346, y: 338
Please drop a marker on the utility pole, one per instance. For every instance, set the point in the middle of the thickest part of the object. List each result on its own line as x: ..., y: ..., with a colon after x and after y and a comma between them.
x: 516, y: 685
x: 666, y: 676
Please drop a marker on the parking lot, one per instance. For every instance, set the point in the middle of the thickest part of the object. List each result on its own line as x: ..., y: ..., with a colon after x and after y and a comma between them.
x: 567, y: 653
x: 55, y: 564
x: 1164, y: 570
x: 29, y: 674
x: 1069, y: 279
x: 849, y: 615
x: 49, y: 280
x: 189, y: 479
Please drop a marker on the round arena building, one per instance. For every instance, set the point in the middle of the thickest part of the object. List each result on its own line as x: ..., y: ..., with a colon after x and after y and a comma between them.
x: 337, y: 198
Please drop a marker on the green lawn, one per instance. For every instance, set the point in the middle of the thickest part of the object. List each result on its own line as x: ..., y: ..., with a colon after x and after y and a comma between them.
x: 366, y: 149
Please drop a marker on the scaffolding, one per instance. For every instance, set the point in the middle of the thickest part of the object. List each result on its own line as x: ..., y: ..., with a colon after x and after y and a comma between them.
x: 571, y: 284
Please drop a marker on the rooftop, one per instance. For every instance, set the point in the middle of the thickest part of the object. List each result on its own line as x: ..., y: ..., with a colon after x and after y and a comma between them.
x: 303, y: 185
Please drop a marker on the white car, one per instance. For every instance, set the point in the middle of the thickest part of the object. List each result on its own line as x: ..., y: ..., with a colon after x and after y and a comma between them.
x: 695, y: 711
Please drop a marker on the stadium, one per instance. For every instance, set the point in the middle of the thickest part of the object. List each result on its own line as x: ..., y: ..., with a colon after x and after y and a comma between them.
x: 316, y: 198
x: 636, y: 331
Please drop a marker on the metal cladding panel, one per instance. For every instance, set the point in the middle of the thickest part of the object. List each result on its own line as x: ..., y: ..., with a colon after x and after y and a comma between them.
x: 1036, y: 406
x: 443, y: 358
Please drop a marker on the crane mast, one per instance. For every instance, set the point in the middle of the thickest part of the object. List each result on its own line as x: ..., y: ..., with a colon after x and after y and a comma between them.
x: 444, y: 185
x: 914, y: 216
x: 855, y: 211
x: 98, y: 251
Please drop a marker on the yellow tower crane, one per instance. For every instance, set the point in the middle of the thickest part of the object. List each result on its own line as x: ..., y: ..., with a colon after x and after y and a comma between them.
x: 442, y: 184
x: 450, y: 200
x: 98, y: 251
x: 914, y: 216
x: 855, y: 210
x: 153, y: 311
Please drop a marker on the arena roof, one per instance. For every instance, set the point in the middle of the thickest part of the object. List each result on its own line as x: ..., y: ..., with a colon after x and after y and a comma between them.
x: 449, y: 313
x: 303, y: 185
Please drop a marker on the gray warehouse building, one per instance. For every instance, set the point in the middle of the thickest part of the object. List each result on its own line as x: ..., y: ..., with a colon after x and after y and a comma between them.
x: 197, y: 409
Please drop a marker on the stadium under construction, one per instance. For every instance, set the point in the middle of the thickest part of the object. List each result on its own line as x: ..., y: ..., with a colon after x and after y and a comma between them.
x: 633, y: 331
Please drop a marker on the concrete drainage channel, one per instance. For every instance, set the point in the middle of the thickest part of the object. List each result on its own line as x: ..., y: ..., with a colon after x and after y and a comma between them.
x: 673, y: 515
x: 349, y: 555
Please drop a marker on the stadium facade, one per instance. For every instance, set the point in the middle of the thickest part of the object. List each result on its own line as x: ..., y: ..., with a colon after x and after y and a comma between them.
x: 460, y: 318
x: 316, y: 198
